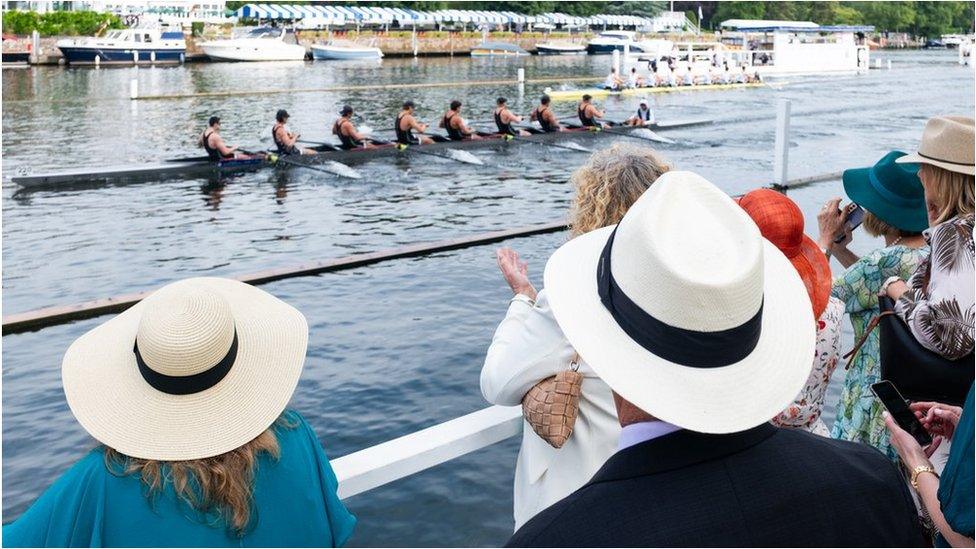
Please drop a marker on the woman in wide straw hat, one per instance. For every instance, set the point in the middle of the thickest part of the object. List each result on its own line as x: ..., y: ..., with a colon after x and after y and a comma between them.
x: 937, y: 303
x: 186, y: 394
x: 781, y: 222
x: 528, y: 346
x: 894, y: 209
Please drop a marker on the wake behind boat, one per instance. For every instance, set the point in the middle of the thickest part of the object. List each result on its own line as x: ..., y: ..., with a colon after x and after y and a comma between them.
x: 323, y: 154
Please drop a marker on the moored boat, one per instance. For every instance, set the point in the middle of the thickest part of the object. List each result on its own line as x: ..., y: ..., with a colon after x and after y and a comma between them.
x: 560, y: 48
x: 259, y: 44
x: 126, y: 47
x: 497, y: 49
x: 203, y: 166
x: 342, y: 49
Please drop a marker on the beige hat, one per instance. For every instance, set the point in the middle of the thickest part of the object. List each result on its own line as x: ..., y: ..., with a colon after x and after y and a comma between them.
x: 685, y: 310
x: 196, y: 369
x: 947, y: 142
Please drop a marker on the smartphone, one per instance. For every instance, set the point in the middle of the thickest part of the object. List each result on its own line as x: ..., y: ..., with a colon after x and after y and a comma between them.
x: 897, y: 406
x: 854, y: 219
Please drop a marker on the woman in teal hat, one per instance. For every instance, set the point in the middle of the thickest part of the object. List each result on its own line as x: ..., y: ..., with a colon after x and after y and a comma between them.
x: 894, y: 209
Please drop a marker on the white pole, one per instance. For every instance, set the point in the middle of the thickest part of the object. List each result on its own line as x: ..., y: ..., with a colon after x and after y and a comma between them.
x: 135, y: 56
x: 133, y: 89
x: 414, y: 41
x: 889, y: 64
x: 624, y: 60
x: 36, y: 47
x: 521, y: 75
x: 616, y: 60
x: 98, y: 60
x: 877, y: 63
x: 782, y: 152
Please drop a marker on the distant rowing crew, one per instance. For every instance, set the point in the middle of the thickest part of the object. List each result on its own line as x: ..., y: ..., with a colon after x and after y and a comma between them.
x: 671, y: 74
x: 405, y: 124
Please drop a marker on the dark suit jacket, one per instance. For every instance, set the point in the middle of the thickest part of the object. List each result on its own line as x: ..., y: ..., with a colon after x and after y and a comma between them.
x: 762, y: 487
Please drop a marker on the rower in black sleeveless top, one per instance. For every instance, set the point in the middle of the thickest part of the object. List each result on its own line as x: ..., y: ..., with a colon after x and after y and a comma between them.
x: 284, y: 140
x: 345, y: 129
x: 545, y: 117
x: 457, y: 130
x: 213, y: 143
x: 505, y: 117
x: 406, y: 124
x: 588, y: 113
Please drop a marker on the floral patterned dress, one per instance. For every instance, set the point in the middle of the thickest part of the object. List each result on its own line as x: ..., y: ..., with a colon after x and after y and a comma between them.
x: 858, y: 412
x: 805, y: 411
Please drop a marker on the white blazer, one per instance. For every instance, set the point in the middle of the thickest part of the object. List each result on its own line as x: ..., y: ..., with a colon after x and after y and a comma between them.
x: 527, y: 348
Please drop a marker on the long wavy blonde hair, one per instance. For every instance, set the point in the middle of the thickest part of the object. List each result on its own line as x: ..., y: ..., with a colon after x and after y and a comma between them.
x: 610, y: 182
x: 950, y: 193
x: 220, y: 486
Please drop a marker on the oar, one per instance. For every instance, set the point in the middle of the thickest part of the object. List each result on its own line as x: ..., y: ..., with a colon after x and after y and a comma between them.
x: 522, y: 138
x: 466, y: 158
x: 333, y: 168
x: 651, y: 136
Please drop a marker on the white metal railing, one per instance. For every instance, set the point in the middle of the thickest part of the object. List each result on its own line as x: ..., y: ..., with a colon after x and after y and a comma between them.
x: 401, y: 457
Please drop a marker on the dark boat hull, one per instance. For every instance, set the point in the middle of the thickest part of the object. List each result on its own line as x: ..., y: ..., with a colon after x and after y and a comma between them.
x: 603, y: 49
x: 84, y: 55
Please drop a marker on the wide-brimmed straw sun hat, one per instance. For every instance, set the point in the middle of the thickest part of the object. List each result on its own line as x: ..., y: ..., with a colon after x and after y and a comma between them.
x: 196, y: 369
x: 685, y: 310
x: 891, y: 190
x: 780, y: 221
x: 949, y: 143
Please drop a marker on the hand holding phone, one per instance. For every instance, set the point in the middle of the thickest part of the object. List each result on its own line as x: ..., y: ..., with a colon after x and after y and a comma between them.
x: 897, y: 406
x: 853, y: 219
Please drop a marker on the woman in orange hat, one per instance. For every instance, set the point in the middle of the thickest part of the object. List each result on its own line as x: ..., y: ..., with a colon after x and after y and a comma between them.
x: 781, y: 222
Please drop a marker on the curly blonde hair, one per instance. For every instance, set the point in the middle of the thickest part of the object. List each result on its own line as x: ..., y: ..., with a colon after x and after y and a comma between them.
x: 220, y: 486
x: 610, y: 182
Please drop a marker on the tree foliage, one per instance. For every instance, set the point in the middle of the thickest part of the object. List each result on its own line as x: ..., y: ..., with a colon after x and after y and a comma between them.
x: 59, y: 23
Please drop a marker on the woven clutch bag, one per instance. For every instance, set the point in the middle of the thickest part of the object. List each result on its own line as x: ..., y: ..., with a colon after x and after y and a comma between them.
x: 551, y: 406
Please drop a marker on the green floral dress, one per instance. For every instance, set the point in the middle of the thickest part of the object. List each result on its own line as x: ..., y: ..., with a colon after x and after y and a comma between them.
x: 858, y: 412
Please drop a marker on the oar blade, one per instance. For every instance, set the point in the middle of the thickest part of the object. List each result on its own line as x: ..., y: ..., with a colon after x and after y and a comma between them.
x: 342, y: 170
x: 464, y: 156
x: 574, y: 146
x: 645, y: 133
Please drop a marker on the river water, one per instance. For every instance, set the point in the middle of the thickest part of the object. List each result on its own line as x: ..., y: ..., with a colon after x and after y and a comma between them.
x: 394, y: 347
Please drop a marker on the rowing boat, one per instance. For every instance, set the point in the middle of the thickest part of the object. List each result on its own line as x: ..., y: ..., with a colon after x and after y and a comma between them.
x: 570, y: 95
x: 325, y: 153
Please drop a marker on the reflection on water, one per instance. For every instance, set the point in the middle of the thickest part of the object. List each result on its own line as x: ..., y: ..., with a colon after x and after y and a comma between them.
x: 393, y: 347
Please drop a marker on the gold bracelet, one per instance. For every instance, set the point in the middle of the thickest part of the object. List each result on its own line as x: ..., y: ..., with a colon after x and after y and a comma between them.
x: 919, y: 470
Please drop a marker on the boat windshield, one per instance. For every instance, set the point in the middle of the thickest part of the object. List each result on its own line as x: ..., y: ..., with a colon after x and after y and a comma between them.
x: 263, y: 32
x: 115, y: 34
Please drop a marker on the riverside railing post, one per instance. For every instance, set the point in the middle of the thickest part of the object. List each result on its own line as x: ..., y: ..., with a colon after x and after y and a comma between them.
x: 35, y: 54
x: 782, y: 152
x: 134, y: 89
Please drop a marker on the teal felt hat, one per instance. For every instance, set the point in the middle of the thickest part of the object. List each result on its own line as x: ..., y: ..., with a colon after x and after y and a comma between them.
x: 890, y: 191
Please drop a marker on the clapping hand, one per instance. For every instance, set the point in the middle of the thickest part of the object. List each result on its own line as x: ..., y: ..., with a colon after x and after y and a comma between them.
x: 515, y: 271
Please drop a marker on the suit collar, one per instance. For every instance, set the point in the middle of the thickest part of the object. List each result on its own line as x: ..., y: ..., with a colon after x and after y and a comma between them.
x: 677, y: 450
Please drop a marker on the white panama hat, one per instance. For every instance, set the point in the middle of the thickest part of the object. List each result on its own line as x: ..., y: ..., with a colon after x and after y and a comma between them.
x: 220, y: 360
x: 724, y: 321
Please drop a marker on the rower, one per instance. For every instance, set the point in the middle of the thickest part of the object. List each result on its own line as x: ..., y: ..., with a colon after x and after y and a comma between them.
x: 213, y: 143
x: 457, y: 130
x: 588, y: 113
x: 284, y: 140
x: 613, y: 82
x: 542, y: 114
x: 634, y: 80
x: 643, y: 117
x: 505, y: 117
x: 406, y: 124
x: 345, y: 129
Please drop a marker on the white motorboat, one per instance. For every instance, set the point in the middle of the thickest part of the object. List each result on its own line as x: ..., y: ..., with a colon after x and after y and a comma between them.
x: 560, y: 48
x: 344, y: 49
x: 258, y: 44
x: 126, y: 46
x: 626, y: 41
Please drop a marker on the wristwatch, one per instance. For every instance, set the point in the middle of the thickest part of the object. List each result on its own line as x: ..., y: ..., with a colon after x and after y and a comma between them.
x: 919, y: 470
x: 888, y: 282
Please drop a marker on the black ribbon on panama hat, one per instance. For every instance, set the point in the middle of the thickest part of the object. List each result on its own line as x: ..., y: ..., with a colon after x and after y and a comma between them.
x: 679, y: 345
x: 187, y: 385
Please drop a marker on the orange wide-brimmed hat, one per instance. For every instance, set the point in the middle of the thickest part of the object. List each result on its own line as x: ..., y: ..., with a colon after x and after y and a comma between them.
x: 781, y: 222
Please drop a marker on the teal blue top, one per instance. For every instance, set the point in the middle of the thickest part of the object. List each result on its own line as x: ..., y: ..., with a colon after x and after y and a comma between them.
x: 956, y: 484
x: 295, y: 504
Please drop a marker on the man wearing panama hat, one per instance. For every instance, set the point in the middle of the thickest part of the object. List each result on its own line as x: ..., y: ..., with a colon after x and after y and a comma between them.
x: 704, y: 331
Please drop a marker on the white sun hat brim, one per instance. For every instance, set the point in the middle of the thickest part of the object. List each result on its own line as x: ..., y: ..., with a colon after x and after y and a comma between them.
x: 708, y: 400
x: 111, y: 400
